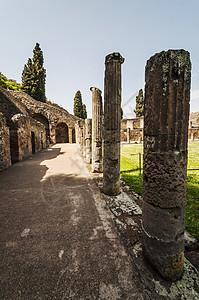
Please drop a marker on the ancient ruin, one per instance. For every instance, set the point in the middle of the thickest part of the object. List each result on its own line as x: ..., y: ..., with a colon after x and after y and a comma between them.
x: 97, y: 123
x: 112, y: 121
x: 27, y: 126
x: 167, y: 96
x: 132, y: 130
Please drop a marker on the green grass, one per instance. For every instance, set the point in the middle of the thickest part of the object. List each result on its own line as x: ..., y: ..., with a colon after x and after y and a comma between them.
x: 131, y: 174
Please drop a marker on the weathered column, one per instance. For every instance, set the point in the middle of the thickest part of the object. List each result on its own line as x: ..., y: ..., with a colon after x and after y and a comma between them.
x: 128, y: 135
x: 77, y: 134
x: 84, y: 140
x: 112, y: 121
x: 88, y: 137
x: 97, y: 119
x: 167, y: 96
x: 70, y: 135
x: 81, y: 137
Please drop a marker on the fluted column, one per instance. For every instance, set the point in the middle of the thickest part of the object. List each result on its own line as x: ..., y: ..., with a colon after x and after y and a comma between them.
x: 167, y: 96
x: 88, y: 137
x: 112, y: 124
x: 97, y: 123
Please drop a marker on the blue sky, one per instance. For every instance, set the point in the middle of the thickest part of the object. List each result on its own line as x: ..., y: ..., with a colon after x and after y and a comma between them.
x: 76, y: 35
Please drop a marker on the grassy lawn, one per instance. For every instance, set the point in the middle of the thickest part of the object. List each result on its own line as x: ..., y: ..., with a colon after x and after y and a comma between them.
x: 131, y: 174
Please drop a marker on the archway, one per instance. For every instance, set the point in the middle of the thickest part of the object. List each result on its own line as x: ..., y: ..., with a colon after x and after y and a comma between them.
x: 61, y: 133
x: 42, y: 119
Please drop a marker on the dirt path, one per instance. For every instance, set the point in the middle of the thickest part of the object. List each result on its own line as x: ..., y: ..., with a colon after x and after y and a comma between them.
x: 58, y: 240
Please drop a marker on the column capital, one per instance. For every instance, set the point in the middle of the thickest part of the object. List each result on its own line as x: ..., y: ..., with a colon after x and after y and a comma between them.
x: 93, y: 88
x: 115, y: 56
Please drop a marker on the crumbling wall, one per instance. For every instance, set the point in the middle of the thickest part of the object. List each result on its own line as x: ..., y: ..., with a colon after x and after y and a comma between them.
x: 23, y: 136
x: 39, y: 135
x: 136, y: 135
x: 5, y: 159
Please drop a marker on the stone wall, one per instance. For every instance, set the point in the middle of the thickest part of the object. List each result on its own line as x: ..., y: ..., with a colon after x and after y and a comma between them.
x: 22, y: 136
x: 136, y: 129
x: 5, y: 159
x: 27, y: 126
x: 194, y: 126
x: 39, y: 135
x: 53, y: 114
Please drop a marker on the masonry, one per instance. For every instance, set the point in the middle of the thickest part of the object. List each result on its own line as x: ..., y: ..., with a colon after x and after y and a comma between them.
x: 27, y: 126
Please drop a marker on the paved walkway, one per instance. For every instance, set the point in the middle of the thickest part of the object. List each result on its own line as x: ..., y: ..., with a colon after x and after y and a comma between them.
x: 58, y: 239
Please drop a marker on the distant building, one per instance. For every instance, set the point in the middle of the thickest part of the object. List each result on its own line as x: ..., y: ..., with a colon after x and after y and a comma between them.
x: 132, y: 129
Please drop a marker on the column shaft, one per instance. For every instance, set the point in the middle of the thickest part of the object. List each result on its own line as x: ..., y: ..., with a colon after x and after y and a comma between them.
x: 167, y: 96
x: 112, y: 123
x: 97, y: 123
x: 88, y: 137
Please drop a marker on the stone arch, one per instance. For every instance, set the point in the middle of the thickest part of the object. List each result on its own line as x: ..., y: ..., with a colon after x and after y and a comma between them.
x: 61, y: 133
x: 42, y: 119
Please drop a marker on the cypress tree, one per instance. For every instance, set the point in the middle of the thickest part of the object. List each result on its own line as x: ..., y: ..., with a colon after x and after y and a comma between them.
x: 27, y: 77
x: 78, y: 107
x: 39, y: 73
x: 139, y: 110
x: 34, y: 76
x: 84, y: 112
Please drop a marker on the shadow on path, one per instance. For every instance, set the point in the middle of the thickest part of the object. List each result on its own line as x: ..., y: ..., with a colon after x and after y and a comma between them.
x: 58, y: 238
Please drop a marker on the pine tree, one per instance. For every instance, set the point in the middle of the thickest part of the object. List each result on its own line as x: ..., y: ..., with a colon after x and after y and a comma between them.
x: 34, y: 75
x: 78, y: 107
x: 139, y: 110
x: 84, y: 112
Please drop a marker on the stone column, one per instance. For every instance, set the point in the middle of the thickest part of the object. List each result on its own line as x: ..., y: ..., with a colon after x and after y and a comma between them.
x: 128, y: 135
x: 84, y: 140
x: 77, y: 134
x: 167, y: 96
x: 88, y: 137
x: 112, y: 122
x: 70, y: 135
x: 81, y: 137
x: 97, y: 120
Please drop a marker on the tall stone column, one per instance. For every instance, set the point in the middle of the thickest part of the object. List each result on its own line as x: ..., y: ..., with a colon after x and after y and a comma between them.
x: 77, y: 134
x: 70, y: 135
x: 97, y: 120
x: 88, y: 137
x: 81, y: 137
x: 84, y: 140
x: 167, y: 96
x: 112, y: 122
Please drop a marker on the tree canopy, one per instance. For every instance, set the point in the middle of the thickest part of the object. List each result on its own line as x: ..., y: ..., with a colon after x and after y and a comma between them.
x: 34, y: 75
x: 139, y: 110
x: 79, y: 108
x: 10, y: 84
x: 84, y: 112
